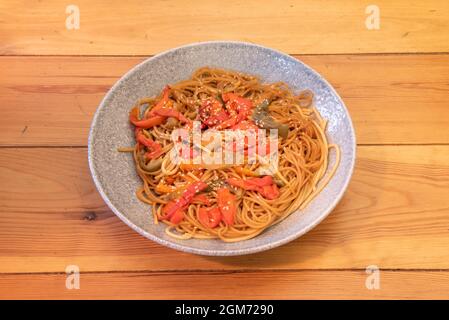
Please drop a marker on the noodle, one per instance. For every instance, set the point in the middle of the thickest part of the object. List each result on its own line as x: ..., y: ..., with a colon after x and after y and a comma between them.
x: 298, y: 178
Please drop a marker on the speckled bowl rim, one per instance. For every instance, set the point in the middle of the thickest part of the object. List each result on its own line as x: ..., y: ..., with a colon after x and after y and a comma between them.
x: 211, y: 252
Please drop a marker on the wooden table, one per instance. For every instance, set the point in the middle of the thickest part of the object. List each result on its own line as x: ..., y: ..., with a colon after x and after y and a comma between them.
x: 395, y: 215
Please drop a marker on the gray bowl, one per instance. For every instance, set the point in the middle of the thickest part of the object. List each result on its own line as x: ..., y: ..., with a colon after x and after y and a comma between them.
x: 114, y: 173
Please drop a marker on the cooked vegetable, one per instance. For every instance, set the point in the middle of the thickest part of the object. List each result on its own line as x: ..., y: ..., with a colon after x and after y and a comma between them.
x: 262, y: 118
x: 238, y: 109
x: 279, y: 182
x: 165, y: 188
x: 169, y: 112
x: 211, y: 112
x: 260, y: 182
x: 209, y: 217
x: 201, y: 198
x: 270, y: 192
x: 146, y: 123
x: 152, y: 165
x: 152, y: 120
x: 227, y: 205
x: 158, y: 114
x: 193, y: 189
x: 220, y: 99
x: 154, y: 148
x: 163, y: 102
x: 236, y: 102
x: 177, y: 217
x: 245, y: 171
x: 171, y: 122
x: 265, y: 186
x: 174, y: 217
x: 186, y: 198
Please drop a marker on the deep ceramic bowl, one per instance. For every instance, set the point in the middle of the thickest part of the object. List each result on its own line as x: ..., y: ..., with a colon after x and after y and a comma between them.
x: 114, y: 173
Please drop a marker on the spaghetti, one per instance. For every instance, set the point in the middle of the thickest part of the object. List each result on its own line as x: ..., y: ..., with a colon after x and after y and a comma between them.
x: 229, y: 202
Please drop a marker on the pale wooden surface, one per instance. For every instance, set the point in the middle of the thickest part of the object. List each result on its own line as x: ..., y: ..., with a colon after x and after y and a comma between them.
x: 395, y: 213
x: 300, y: 284
x: 294, y: 26
x: 56, y: 97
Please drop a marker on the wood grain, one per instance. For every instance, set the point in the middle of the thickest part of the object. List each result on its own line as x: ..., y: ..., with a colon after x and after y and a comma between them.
x: 393, y: 99
x: 148, y: 27
x: 229, y: 285
x: 394, y: 215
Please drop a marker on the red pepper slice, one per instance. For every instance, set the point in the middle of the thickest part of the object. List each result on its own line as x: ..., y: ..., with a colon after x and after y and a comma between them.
x: 193, y: 189
x: 250, y: 184
x: 209, y: 217
x: 186, y: 198
x: 153, y: 120
x: 177, y: 217
x: 146, y: 123
x: 169, y: 209
x: 161, y: 104
x: 201, y: 198
x: 265, y: 186
x: 261, y: 182
x: 238, y: 108
x: 169, y: 112
x: 237, y: 104
x: 211, y: 113
x: 153, y: 154
x: 270, y: 192
x: 239, y: 183
x: 227, y: 204
x: 236, y: 98
x: 154, y: 148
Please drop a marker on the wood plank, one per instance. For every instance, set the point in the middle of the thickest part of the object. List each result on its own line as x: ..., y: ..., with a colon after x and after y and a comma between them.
x: 394, y: 215
x: 225, y: 285
x: 393, y: 99
x: 144, y: 28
